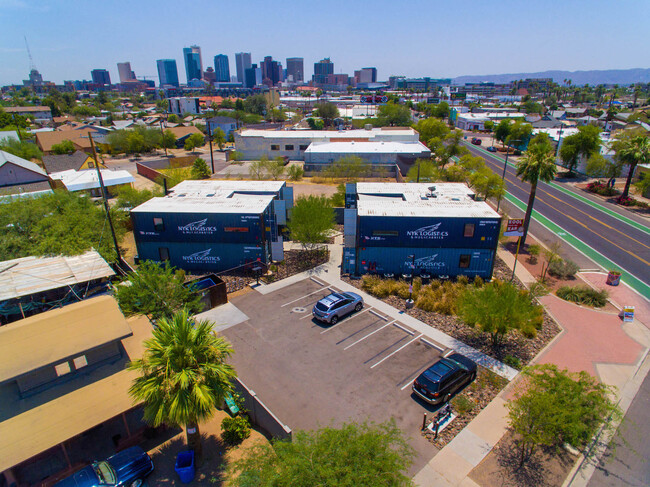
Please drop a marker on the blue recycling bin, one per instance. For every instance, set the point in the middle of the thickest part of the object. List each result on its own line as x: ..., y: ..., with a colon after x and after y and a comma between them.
x: 185, y: 466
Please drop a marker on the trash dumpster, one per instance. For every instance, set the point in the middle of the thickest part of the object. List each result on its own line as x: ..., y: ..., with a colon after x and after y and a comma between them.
x: 185, y: 466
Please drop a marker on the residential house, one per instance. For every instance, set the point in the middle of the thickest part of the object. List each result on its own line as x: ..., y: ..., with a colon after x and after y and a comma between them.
x: 40, y: 113
x: 182, y: 133
x: 64, y: 162
x: 19, y: 176
x: 88, y: 181
x: 79, y: 138
x: 64, y: 376
x: 227, y: 124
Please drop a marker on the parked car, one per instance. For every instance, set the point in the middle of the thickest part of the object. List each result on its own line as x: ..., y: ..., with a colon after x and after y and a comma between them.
x: 444, y: 378
x: 335, y: 306
x: 126, y: 468
x: 476, y: 141
x: 492, y: 149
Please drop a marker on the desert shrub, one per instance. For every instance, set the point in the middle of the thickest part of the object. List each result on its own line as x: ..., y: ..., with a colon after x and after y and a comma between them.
x: 538, y: 289
x: 464, y: 280
x: 235, y: 430
x: 563, y: 268
x: 583, y: 295
x: 462, y: 404
x: 533, y: 251
x: 601, y: 188
x: 440, y: 297
x: 478, y: 281
x: 295, y: 173
x: 512, y: 361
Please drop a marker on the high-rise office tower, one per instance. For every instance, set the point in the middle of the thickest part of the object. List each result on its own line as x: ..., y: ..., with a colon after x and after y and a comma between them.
x: 222, y: 68
x: 193, y: 62
x: 243, y: 62
x: 167, y: 72
x: 367, y: 75
x: 253, y: 76
x: 126, y: 74
x: 295, y: 68
x: 271, y: 71
x: 322, y: 69
x: 101, y: 77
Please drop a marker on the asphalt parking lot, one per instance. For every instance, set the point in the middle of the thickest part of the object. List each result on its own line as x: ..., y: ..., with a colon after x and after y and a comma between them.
x: 312, y: 374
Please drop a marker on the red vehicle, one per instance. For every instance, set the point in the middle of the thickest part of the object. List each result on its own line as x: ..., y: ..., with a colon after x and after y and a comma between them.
x: 476, y: 141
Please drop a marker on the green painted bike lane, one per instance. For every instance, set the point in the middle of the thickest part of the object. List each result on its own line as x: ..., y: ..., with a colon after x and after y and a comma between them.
x: 593, y: 204
x: 634, y: 282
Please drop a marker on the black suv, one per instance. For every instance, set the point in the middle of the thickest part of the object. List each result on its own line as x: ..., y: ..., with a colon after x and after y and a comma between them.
x: 444, y: 378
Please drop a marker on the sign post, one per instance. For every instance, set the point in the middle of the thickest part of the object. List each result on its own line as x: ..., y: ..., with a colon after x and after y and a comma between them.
x: 515, y: 228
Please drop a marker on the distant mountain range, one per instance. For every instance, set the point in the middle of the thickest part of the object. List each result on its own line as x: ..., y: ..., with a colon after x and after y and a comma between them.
x: 594, y: 77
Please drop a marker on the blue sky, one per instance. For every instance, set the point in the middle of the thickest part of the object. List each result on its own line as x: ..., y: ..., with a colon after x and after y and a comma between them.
x: 69, y: 38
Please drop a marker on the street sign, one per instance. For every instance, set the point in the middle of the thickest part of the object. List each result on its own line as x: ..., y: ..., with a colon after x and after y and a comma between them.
x: 628, y: 314
x: 514, y: 228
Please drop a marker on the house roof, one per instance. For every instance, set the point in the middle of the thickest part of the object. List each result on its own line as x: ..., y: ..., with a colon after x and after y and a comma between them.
x: 221, y: 119
x: 63, y: 162
x: 557, y: 113
x: 82, y: 180
x: 9, y: 134
x: 25, y: 188
x: 181, y: 132
x: 31, y: 275
x: 49, y: 337
x: 27, y: 109
x: 8, y: 158
x: 46, y: 140
x: 37, y: 429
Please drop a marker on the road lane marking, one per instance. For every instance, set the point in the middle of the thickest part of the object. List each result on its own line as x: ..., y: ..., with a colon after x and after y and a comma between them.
x: 369, y: 334
x: 400, y: 348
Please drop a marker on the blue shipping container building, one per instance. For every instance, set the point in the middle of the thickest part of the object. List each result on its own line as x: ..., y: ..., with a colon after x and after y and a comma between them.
x: 212, y: 226
x: 412, y: 228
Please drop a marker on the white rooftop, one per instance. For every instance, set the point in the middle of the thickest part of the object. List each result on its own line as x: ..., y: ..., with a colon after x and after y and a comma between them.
x: 420, y: 200
x: 30, y: 275
x: 87, y: 178
x: 331, y: 134
x: 215, y: 197
x: 367, y: 147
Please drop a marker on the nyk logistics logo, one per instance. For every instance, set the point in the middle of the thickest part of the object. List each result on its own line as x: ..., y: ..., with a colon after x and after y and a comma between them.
x: 430, y: 232
x: 428, y: 263
x: 202, y: 257
x: 197, y: 228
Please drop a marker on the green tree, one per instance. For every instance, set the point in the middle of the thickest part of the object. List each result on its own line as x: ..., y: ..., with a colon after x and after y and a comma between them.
x: 315, y: 123
x: 23, y: 149
x: 349, y: 168
x: 168, y: 140
x: 327, y: 111
x: 183, y: 375
x: 275, y: 167
x: 173, y: 118
x: 488, y: 125
x: 452, y: 147
x: 394, y: 115
x: 295, y: 172
x: 129, y: 197
x: 553, y: 407
x: 338, y: 198
x: 194, y: 141
x: 537, y: 163
x: 502, y: 131
x: 599, y: 167
x: 352, y: 455
x: 62, y: 223
x: 156, y: 291
x: 200, y: 169
x: 632, y: 148
x: 65, y: 147
x: 312, y: 218
x: 441, y: 110
x: 256, y: 104
x: 219, y: 137
x: 520, y: 133
x: 431, y: 128
x: 135, y: 143
x: 424, y: 171
x: 498, y: 307
x: 580, y: 145
x: 257, y: 169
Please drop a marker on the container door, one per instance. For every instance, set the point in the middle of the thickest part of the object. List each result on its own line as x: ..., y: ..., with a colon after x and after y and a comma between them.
x: 277, y: 250
x: 280, y: 209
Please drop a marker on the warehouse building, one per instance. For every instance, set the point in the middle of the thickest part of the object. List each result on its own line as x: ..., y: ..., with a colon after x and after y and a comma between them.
x: 212, y: 226
x: 420, y: 229
x: 292, y: 144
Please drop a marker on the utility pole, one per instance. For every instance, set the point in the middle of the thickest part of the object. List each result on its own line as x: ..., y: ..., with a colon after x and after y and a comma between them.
x: 162, y: 133
x: 505, y: 166
x: 105, y: 198
x: 210, y: 141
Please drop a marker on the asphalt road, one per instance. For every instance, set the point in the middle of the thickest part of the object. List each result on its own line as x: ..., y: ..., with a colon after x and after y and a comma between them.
x: 623, y: 243
x: 626, y: 460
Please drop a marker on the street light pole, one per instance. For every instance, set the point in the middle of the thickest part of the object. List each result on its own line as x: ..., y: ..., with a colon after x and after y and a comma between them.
x: 210, y: 140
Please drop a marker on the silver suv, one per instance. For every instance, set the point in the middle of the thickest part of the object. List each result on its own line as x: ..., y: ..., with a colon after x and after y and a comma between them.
x: 333, y: 307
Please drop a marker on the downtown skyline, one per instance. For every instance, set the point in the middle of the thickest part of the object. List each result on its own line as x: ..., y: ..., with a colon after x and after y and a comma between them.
x: 433, y: 39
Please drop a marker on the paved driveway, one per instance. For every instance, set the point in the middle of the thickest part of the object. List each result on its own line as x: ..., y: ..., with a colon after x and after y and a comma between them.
x: 312, y: 375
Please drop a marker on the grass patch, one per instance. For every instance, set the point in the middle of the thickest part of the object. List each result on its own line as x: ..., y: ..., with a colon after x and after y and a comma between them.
x: 583, y: 295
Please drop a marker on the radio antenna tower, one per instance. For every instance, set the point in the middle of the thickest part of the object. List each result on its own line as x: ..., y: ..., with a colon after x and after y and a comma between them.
x: 32, y: 66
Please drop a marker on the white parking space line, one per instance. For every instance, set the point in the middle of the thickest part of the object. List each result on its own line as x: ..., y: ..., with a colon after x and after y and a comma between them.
x: 317, y: 281
x: 369, y: 334
x: 400, y: 348
x: 409, y: 382
x: 379, y: 316
x: 342, y: 321
x: 308, y: 315
x: 303, y: 297
x: 410, y: 332
x: 432, y: 345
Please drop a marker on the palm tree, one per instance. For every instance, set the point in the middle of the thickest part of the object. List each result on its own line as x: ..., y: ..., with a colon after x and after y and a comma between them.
x: 537, y: 163
x: 632, y: 149
x: 183, y: 375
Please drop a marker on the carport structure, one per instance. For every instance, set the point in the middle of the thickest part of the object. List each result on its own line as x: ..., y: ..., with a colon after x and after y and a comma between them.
x: 312, y: 374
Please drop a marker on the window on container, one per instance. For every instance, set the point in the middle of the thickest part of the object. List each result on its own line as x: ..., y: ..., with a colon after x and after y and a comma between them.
x: 80, y: 362
x: 275, y: 147
x: 469, y: 230
x: 163, y: 252
x: 62, y: 369
x: 385, y: 233
x: 288, y: 147
x: 158, y: 224
x: 304, y: 147
x: 465, y: 259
